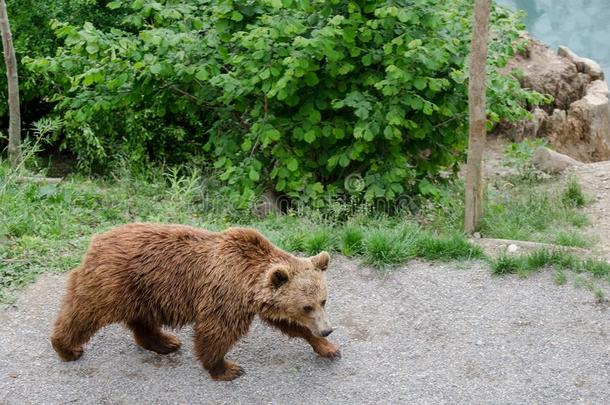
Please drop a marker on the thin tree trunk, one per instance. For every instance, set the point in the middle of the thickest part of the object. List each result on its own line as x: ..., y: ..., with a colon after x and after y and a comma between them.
x: 476, y: 106
x: 14, y: 129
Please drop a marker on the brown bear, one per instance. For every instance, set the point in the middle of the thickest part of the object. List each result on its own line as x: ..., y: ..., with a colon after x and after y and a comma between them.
x: 149, y: 276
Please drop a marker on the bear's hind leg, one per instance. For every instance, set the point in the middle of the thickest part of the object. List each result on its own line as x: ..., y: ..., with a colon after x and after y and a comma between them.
x: 153, y: 338
x: 71, y: 331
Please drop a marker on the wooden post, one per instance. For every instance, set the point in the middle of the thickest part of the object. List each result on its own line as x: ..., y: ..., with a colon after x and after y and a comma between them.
x: 477, y: 116
x: 14, y: 129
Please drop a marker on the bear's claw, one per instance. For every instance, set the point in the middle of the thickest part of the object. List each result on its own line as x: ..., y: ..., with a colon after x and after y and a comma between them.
x: 328, y: 350
x: 231, y: 372
x: 67, y: 354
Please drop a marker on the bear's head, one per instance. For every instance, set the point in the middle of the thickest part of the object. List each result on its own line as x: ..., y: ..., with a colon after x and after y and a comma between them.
x: 295, y: 292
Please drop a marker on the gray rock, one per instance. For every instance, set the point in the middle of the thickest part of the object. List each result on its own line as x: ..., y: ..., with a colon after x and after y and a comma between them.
x: 584, y: 65
x: 589, y: 118
x: 532, y: 127
x: 552, y: 162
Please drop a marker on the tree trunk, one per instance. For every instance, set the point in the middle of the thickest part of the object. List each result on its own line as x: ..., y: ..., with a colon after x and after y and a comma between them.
x: 477, y: 116
x: 14, y: 129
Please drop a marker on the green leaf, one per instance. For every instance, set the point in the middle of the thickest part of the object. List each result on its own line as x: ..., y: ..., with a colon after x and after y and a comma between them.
x: 292, y: 164
x: 92, y: 48
x: 311, y: 79
x: 310, y: 136
x: 254, y: 175
x: 155, y: 69
x: 201, y: 74
x: 419, y: 83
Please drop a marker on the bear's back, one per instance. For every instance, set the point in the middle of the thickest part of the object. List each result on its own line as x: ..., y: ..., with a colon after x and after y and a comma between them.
x: 150, y: 270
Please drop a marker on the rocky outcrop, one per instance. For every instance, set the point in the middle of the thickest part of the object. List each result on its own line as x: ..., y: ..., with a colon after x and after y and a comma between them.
x: 552, y: 162
x: 577, y: 123
x: 584, y: 65
x: 583, y: 130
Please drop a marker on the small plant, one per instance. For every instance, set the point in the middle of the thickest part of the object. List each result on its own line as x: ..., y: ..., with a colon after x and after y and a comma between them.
x: 571, y: 238
x: 317, y: 242
x: 573, y: 196
x: 507, y: 264
x: 520, y: 153
x: 383, y: 248
x: 525, y: 264
x: 447, y: 248
x: 599, y: 295
x: 560, y: 277
x: 352, y: 241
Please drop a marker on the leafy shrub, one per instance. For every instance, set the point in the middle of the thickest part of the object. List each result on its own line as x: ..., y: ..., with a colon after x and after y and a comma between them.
x: 33, y: 37
x: 296, y: 94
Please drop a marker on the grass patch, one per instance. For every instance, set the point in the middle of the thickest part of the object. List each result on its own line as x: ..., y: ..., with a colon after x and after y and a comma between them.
x: 47, y: 227
x: 352, y: 241
x: 528, y: 263
x: 572, y: 238
x: 560, y: 277
x: 455, y: 247
x: 573, y: 194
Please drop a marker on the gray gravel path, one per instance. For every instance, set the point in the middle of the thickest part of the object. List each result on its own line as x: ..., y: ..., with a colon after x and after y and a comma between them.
x: 426, y: 333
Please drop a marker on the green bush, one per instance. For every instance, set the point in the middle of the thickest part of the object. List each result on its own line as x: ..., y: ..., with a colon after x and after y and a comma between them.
x: 294, y: 94
x: 34, y: 37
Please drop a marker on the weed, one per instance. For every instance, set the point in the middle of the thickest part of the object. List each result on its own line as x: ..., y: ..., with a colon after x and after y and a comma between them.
x: 507, y: 264
x: 384, y: 248
x: 573, y: 196
x: 317, y: 242
x: 599, y: 295
x: 447, y: 248
x: 571, y: 238
x: 352, y: 241
x: 560, y: 277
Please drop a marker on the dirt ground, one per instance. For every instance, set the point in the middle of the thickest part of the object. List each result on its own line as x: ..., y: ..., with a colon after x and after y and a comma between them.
x: 595, y: 179
x: 423, y: 333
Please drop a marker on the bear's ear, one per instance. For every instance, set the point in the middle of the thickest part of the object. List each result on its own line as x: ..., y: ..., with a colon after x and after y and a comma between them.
x: 278, y: 276
x: 320, y: 261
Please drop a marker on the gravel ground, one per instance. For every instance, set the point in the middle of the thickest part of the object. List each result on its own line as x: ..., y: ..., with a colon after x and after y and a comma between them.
x: 425, y: 333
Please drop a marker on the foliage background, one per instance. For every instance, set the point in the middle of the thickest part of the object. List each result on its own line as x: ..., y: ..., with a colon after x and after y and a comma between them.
x: 291, y: 95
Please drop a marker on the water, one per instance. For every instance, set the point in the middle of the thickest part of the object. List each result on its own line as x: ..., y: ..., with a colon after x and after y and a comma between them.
x: 581, y: 25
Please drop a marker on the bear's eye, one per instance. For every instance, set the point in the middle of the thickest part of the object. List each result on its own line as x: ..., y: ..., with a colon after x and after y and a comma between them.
x: 307, y: 308
x: 323, y: 302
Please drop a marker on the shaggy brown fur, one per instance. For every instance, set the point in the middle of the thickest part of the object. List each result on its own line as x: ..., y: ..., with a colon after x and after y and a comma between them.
x: 149, y: 276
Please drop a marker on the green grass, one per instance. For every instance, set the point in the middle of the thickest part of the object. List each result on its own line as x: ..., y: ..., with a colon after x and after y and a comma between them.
x: 352, y: 241
x: 528, y: 263
x: 454, y: 247
x: 46, y: 228
x: 573, y: 194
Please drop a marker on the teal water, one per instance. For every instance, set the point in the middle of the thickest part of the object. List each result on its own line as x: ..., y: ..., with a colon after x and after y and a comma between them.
x: 581, y: 25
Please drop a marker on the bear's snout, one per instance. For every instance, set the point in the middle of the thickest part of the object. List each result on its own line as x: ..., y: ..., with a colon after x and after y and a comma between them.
x: 327, y: 332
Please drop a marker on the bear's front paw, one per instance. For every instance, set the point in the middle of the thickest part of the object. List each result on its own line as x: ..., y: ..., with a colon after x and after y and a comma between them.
x: 327, y: 350
x: 229, y: 372
x: 67, y: 354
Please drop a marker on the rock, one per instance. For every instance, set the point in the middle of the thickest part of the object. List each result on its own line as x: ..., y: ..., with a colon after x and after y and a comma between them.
x: 552, y: 162
x: 584, y: 65
x: 476, y: 235
x: 531, y: 127
x: 268, y: 204
x: 577, y: 123
x: 598, y: 88
x: 589, y: 119
x: 512, y: 248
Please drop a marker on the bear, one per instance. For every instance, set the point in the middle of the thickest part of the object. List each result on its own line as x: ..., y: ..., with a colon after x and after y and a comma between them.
x: 152, y: 275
